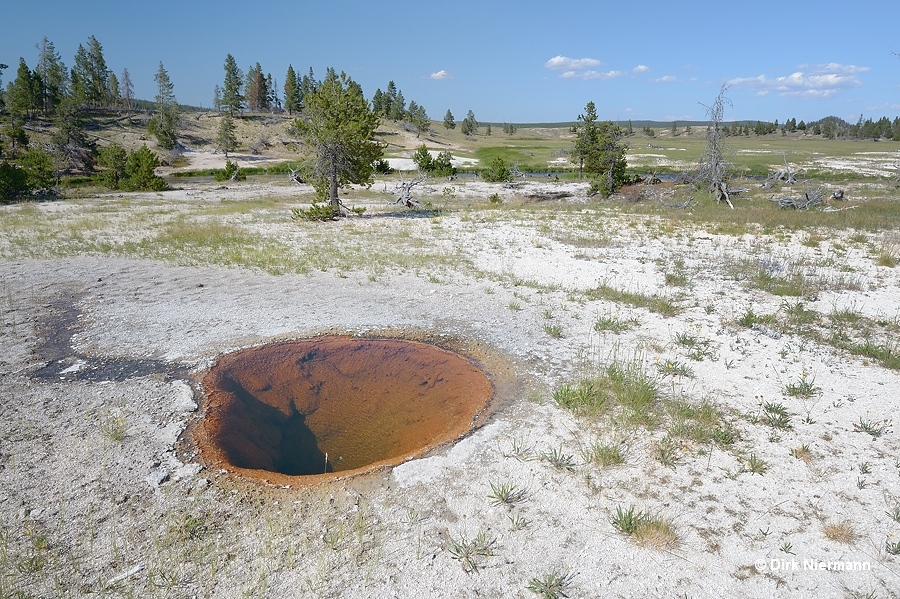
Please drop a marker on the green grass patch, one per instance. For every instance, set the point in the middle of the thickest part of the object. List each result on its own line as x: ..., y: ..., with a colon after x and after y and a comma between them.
x: 886, y: 355
x: 610, y: 323
x: 527, y: 157
x: 655, y: 303
x: 623, y: 391
x: 698, y: 422
x: 604, y: 454
x: 645, y: 528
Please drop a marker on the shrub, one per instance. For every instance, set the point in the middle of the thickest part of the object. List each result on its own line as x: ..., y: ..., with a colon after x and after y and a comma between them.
x: 442, y: 166
x: 383, y: 167
x: 423, y: 159
x: 38, y: 166
x: 13, y: 182
x: 140, y: 169
x: 113, y: 158
x: 497, y: 172
x: 601, y: 186
x: 316, y: 212
x: 231, y: 172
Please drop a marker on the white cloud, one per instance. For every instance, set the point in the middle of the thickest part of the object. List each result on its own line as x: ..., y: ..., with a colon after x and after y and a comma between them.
x: 882, y: 107
x: 641, y: 68
x: 817, y: 81
x: 441, y: 75
x: 834, y: 67
x: 571, y: 64
x: 601, y: 76
x: 666, y: 79
x: 580, y: 68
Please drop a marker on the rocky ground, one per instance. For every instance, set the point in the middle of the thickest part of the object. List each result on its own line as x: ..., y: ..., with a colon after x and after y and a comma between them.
x: 796, y: 494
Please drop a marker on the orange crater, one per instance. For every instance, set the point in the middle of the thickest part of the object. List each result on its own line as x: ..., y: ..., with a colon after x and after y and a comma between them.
x: 305, y: 411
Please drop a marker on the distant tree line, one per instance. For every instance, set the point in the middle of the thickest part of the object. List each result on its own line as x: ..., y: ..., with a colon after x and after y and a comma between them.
x: 391, y: 105
x: 258, y: 91
x: 52, y: 91
x: 830, y: 127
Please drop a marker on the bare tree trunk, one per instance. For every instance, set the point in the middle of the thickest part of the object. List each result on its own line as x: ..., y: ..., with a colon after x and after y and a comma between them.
x: 713, y: 166
x: 333, y: 198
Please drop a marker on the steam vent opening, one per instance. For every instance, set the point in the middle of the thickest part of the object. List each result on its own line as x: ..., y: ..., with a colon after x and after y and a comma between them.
x: 335, y: 405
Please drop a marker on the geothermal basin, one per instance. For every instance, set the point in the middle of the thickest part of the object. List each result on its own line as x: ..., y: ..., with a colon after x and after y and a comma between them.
x: 304, y: 411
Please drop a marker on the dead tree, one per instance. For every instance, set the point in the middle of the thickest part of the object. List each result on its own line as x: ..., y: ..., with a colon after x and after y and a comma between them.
x: 294, y: 176
x: 515, y: 173
x: 404, y: 191
x: 713, y: 166
x: 810, y: 199
x: 786, y: 176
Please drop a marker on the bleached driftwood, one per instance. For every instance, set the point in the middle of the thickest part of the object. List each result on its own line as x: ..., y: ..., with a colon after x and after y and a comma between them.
x: 404, y: 192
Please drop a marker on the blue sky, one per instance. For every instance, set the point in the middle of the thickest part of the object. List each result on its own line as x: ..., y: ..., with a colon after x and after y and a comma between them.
x: 522, y: 61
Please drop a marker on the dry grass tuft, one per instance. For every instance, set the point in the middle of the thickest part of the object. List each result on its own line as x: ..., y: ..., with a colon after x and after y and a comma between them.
x: 803, y: 453
x: 840, y: 532
x: 656, y: 533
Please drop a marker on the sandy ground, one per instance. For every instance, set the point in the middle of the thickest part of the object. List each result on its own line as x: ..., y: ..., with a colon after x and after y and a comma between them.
x: 202, y: 160
x: 101, y: 492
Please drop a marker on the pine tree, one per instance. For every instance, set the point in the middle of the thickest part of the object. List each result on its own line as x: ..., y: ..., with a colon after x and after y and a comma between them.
x: 469, y: 124
x: 113, y: 158
x: 449, y: 123
x: 339, y: 129
x: 113, y: 92
x: 232, y: 99
x: 250, y: 89
x: 390, y: 96
x: 308, y: 85
x: 272, y: 101
x: 98, y: 76
x: 140, y: 170
x: 78, y: 77
x: 418, y: 117
x: 291, y: 91
x: 23, y: 96
x: 255, y: 89
x: 398, y: 107
x: 226, y: 140
x: 598, y: 151
x: 422, y: 159
x: 378, y: 102
x: 53, y: 74
x: 73, y: 148
x: 164, y: 124
x: 38, y: 166
x: 2, y: 102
